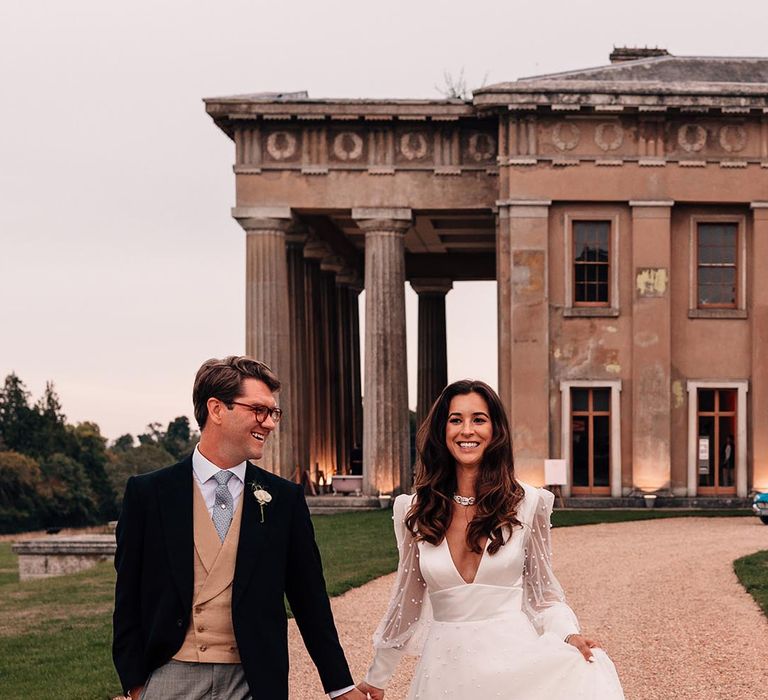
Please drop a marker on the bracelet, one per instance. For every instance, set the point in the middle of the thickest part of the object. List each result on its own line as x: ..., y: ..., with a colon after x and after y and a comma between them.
x: 568, y: 637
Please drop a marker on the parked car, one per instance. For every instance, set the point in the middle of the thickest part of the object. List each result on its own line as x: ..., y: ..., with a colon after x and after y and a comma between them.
x: 760, y: 506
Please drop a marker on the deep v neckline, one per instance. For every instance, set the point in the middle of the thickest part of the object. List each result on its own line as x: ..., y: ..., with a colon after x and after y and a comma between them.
x: 456, y: 568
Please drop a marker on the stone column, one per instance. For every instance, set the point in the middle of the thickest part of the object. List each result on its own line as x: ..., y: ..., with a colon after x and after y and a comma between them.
x: 651, y: 346
x: 386, y: 458
x: 312, y: 327
x: 296, y: 388
x: 267, y: 335
x: 432, y: 354
x: 522, y: 244
x: 317, y: 325
x: 759, y: 379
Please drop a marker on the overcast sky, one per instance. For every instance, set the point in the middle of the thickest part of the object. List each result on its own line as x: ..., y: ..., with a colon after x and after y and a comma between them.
x: 120, y: 267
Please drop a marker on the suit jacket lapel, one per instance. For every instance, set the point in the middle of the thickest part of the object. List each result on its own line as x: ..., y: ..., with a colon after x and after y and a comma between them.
x: 175, y: 494
x: 254, y: 535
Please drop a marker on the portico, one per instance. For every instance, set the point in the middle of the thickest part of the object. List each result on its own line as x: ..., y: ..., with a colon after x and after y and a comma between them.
x: 620, y: 210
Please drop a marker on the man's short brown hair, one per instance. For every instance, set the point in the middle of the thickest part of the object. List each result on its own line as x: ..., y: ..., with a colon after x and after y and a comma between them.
x: 223, y: 379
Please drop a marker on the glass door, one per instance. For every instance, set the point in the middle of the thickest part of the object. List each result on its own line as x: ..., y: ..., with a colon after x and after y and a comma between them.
x: 591, y: 442
x: 716, y: 449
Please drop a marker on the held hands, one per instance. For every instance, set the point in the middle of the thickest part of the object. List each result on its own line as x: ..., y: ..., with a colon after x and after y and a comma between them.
x: 583, y: 644
x: 368, y: 691
x: 353, y: 694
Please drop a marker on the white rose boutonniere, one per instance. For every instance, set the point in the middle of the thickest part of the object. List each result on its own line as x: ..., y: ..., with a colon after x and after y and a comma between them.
x: 262, y: 497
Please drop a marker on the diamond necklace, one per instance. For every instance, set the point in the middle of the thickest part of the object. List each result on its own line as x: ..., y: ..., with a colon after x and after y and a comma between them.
x: 464, y: 500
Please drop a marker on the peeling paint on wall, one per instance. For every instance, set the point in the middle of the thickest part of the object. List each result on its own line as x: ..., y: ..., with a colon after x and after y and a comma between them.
x: 651, y: 282
x: 613, y: 368
x: 678, y: 394
x: 645, y: 339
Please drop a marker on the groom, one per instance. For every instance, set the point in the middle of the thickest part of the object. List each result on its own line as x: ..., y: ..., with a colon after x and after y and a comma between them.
x: 206, y: 551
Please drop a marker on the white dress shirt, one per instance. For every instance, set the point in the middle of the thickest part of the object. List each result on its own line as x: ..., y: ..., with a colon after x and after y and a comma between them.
x: 203, y: 470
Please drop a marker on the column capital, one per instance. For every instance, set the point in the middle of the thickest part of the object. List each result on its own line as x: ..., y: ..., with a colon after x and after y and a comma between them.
x: 349, y: 277
x: 657, y: 203
x: 332, y: 263
x: 264, y: 218
x: 397, y: 219
x: 523, y: 208
x: 759, y: 211
x: 432, y: 285
x: 297, y: 235
x: 316, y: 249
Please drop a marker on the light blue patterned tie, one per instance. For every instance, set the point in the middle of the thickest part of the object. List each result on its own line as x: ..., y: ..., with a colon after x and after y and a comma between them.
x: 222, y: 509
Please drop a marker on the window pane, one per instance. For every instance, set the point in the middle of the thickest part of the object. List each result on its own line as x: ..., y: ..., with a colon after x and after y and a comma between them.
x: 601, y: 399
x: 727, y: 400
x: 602, y: 451
x: 706, y: 460
x: 580, y: 399
x: 706, y: 399
x: 580, y: 450
x: 716, y: 261
x: 727, y: 451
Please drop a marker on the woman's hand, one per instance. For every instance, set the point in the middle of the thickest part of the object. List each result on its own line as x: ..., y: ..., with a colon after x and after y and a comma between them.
x: 370, y: 691
x: 583, y: 644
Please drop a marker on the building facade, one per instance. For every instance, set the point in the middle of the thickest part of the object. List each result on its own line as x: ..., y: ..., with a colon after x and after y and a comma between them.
x: 623, y: 212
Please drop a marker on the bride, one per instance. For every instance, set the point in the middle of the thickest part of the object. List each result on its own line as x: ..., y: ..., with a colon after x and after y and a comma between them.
x: 475, y: 594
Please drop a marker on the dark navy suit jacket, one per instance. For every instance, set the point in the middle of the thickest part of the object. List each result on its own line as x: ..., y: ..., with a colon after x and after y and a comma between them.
x: 276, y: 558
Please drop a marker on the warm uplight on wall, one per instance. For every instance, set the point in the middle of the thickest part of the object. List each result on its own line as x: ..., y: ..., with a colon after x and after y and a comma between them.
x: 760, y: 479
x: 650, y: 476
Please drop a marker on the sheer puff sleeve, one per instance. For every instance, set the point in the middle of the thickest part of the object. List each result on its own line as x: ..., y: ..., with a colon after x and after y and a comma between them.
x: 403, y: 629
x: 543, y: 597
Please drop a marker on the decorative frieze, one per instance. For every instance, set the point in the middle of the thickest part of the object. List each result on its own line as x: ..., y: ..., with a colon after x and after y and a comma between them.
x: 451, y: 146
x: 447, y: 146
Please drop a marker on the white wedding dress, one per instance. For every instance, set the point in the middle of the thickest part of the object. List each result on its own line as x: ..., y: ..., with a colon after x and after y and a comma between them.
x: 501, y: 636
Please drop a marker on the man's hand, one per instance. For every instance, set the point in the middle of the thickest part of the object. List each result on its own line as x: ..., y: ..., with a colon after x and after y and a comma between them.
x: 368, y: 691
x: 584, y: 645
x: 136, y: 693
x: 353, y: 694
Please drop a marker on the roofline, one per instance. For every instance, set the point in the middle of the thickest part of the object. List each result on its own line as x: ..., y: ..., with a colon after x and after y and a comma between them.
x: 640, y: 62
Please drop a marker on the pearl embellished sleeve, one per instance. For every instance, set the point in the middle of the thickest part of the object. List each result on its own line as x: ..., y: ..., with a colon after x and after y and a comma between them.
x: 543, y: 597
x: 404, y: 627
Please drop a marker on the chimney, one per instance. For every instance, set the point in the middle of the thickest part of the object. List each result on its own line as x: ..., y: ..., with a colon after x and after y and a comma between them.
x: 629, y: 53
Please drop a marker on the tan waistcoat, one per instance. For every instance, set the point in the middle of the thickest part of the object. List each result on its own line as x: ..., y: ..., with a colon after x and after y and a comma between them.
x: 210, y: 637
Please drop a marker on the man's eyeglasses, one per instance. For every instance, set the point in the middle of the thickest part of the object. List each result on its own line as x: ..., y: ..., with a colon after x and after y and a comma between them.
x: 261, y: 412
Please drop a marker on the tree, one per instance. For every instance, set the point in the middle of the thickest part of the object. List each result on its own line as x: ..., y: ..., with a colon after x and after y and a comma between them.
x: 70, y: 498
x: 178, y: 437
x: 18, y: 421
x: 51, y: 433
x: 21, y: 500
x: 92, y: 454
x: 136, y: 460
x: 123, y: 443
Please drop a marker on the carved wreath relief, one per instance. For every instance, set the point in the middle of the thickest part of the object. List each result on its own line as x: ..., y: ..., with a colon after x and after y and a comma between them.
x: 481, y: 147
x: 609, y: 136
x: 565, y: 136
x: 733, y: 138
x: 348, y: 146
x: 413, y: 145
x: 281, y: 145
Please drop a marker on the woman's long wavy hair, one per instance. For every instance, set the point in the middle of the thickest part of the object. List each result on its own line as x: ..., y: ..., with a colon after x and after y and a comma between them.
x: 497, y: 491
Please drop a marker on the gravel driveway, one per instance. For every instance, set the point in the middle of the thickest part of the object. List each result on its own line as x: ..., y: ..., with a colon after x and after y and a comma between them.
x: 660, y: 595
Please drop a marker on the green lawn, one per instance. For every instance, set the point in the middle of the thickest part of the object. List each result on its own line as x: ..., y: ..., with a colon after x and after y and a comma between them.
x: 752, y: 571
x: 55, y: 634
x: 567, y: 518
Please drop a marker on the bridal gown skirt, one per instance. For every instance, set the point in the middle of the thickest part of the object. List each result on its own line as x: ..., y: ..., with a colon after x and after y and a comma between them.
x: 482, y: 645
